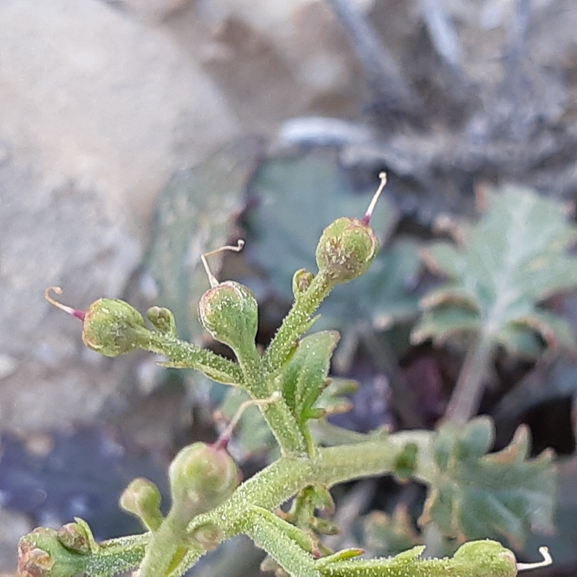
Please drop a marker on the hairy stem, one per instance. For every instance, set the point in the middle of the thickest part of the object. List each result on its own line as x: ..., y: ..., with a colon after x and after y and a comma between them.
x: 280, y: 481
x: 184, y: 355
x: 166, y: 548
x: 296, y: 322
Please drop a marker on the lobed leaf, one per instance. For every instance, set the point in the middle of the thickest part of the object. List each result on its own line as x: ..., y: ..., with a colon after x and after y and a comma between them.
x: 477, y: 495
x: 500, y: 271
x: 306, y: 375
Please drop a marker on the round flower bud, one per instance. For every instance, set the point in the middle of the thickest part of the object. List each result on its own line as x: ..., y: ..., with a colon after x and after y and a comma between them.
x: 346, y: 249
x: 163, y: 320
x: 77, y: 537
x: 142, y: 499
x: 112, y: 327
x: 201, y: 476
x: 229, y: 312
x: 302, y: 279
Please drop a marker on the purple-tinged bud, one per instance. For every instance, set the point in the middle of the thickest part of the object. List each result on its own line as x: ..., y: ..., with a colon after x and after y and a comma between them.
x: 77, y: 537
x: 346, y: 249
x: 163, y: 320
x: 301, y: 281
x: 201, y: 476
x: 41, y: 554
x: 142, y: 499
x: 229, y: 312
x: 34, y: 562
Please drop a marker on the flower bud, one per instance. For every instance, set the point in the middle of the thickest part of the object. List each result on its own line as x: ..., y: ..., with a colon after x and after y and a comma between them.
x: 112, y: 328
x: 301, y: 281
x: 77, y: 537
x: 163, y: 320
x: 346, y: 249
x: 229, y: 312
x: 142, y: 499
x: 41, y: 554
x: 208, y: 535
x: 201, y: 477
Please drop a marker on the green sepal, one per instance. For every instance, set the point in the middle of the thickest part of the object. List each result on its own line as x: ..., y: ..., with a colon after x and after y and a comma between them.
x: 343, y: 555
x: 302, y: 280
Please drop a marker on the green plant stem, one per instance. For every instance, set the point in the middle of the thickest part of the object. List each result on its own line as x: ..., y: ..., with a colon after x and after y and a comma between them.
x: 114, y: 556
x: 330, y: 466
x: 166, y: 547
x: 285, y: 429
x: 466, y: 396
x: 273, y: 486
x: 296, y: 322
x: 184, y: 355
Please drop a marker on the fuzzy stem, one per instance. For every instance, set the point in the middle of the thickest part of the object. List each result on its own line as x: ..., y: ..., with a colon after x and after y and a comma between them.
x: 166, y: 548
x: 296, y: 322
x: 249, y: 375
x: 184, y: 355
x: 267, y: 489
x: 466, y: 396
x: 115, y: 556
x: 285, y: 429
x: 280, y: 481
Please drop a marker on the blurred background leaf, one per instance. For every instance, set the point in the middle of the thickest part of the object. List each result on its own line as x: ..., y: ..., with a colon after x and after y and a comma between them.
x: 195, y: 215
x: 500, y: 271
x: 479, y: 495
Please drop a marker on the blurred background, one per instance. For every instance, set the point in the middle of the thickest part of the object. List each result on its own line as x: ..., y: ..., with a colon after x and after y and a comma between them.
x: 137, y: 134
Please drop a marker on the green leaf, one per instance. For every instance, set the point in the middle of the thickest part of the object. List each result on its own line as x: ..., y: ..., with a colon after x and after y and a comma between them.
x: 303, y: 379
x: 479, y: 495
x: 500, y: 271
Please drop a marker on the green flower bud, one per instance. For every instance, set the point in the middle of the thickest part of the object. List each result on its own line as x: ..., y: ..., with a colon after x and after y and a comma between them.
x: 301, y: 281
x: 229, y: 312
x: 163, y: 320
x: 112, y: 327
x: 77, y: 537
x: 346, y: 249
x: 142, y: 499
x: 201, y: 477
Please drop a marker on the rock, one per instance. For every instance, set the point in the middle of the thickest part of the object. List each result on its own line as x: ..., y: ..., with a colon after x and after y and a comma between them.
x: 89, y: 95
